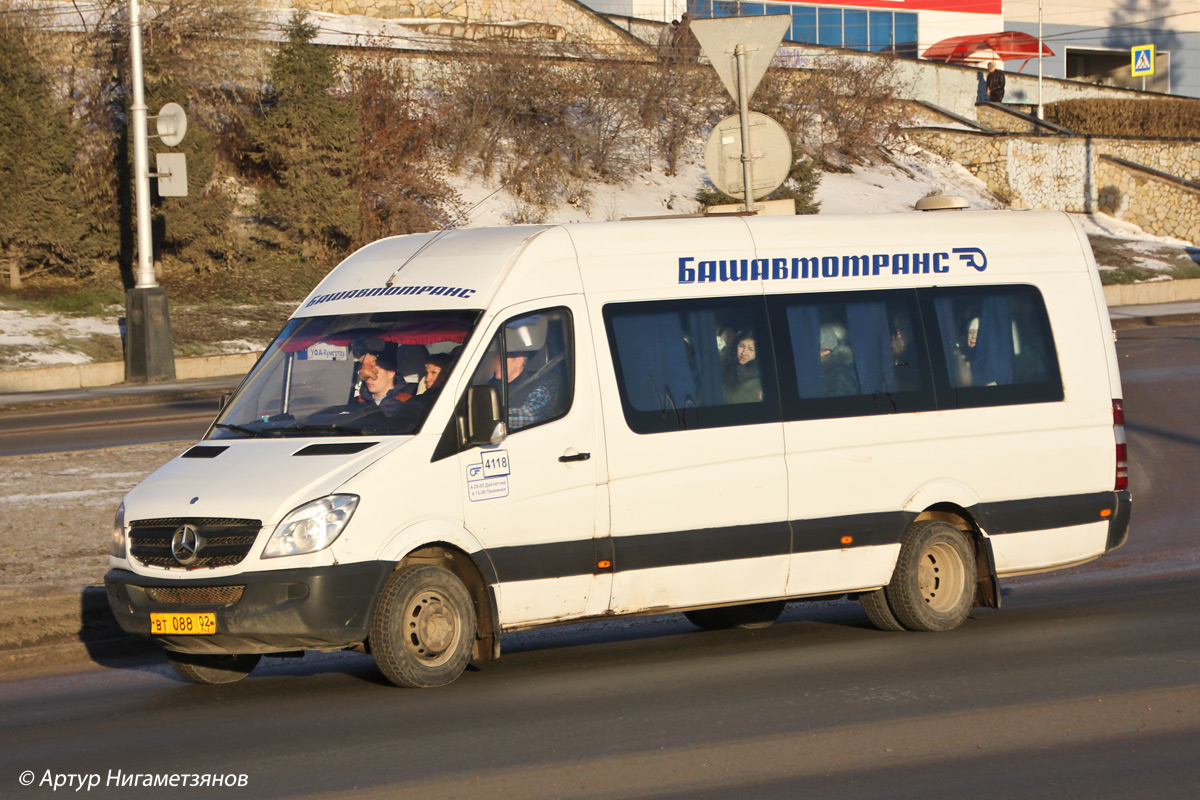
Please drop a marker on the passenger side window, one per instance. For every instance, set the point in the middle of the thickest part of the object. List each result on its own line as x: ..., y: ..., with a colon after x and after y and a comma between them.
x: 693, y: 364
x: 530, y: 362
x: 997, y: 346
x: 852, y: 354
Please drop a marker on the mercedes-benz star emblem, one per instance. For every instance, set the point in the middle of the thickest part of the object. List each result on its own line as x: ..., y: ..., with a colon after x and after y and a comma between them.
x: 186, y: 544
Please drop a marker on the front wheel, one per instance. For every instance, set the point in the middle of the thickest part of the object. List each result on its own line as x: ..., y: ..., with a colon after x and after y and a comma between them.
x: 212, y: 668
x: 933, y: 586
x: 424, y: 627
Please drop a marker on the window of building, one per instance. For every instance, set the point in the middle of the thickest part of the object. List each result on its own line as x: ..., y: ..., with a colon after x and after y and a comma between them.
x: 877, y: 31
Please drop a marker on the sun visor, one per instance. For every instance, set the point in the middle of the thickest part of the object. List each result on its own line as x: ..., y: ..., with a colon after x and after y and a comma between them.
x: 525, y: 334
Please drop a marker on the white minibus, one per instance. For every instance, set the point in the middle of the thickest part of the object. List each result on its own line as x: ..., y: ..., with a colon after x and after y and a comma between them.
x: 466, y: 433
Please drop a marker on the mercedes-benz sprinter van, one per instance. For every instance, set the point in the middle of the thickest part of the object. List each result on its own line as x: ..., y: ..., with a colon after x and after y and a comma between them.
x: 478, y: 431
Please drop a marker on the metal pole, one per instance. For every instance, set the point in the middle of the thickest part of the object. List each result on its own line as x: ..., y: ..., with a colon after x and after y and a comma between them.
x: 149, y: 354
x: 1040, y: 114
x: 744, y: 117
x: 144, y: 275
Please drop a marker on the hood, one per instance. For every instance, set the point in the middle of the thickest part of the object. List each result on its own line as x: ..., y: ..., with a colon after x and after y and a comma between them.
x: 260, y: 479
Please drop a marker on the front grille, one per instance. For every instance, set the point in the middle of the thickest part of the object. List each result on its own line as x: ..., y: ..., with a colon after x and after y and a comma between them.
x: 195, y: 595
x: 223, y: 542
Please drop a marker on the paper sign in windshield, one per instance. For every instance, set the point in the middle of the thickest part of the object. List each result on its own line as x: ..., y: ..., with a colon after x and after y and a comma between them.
x: 325, y: 352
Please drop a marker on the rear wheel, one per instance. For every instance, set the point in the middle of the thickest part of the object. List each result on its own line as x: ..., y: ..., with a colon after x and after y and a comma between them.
x: 748, y: 615
x: 212, y: 668
x: 424, y: 627
x: 879, y: 612
x: 933, y: 586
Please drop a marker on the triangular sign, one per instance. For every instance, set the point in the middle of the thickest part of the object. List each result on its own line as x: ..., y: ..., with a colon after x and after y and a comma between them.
x: 760, y: 35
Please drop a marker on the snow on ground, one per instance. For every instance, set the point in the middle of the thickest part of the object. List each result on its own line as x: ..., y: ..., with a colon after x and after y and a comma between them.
x: 30, y: 339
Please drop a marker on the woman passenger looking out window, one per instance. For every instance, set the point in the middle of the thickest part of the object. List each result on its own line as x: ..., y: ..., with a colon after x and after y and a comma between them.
x: 742, y: 381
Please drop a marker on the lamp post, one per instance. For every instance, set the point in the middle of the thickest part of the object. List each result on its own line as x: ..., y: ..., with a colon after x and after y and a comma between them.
x: 149, y: 354
x: 1040, y: 112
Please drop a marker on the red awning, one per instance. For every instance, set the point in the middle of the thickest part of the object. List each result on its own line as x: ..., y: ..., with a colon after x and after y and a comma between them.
x: 1003, y: 46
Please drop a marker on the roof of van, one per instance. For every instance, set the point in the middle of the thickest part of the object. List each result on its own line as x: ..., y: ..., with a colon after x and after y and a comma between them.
x: 674, y: 257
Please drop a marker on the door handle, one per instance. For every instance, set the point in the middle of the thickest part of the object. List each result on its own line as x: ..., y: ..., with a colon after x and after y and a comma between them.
x: 574, y: 455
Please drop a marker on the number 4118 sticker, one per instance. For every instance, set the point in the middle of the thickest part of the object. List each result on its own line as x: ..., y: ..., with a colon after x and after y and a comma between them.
x: 488, y: 479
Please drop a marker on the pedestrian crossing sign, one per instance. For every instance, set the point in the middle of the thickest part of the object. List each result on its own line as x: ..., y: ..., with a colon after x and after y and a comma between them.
x: 1142, y: 60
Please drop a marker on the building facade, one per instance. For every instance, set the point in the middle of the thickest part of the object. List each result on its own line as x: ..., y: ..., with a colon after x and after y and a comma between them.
x: 1092, y: 40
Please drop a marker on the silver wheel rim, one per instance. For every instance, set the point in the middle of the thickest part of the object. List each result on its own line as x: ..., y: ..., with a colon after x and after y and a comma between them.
x: 940, y: 577
x: 431, y: 628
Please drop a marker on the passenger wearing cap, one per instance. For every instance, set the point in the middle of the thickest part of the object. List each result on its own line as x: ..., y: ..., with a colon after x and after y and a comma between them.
x: 529, y: 402
x: 838, y: 377
x: 377, y: 371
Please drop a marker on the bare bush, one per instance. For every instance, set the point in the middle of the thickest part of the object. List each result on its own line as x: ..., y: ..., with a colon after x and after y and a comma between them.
x: 604, y: 122
x: 680, y: 100
x: 844, y: 110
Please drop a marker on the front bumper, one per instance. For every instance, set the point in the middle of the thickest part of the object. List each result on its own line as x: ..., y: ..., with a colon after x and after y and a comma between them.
x: 319, y: 608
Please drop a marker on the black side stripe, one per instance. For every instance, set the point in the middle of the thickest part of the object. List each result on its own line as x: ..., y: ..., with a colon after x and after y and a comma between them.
x: 764, y: 540
x: 884, y: 527
x: 1043, y: 513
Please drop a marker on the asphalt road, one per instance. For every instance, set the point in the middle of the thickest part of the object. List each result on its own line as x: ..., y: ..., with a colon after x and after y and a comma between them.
x: 114, y: 421
x: 1085, y: 684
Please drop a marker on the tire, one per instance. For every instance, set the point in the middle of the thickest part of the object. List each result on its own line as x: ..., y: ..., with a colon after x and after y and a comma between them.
x: 423, y: 631
x: 879, y: 612
x: 933, y: 587
x: 748, y: 615
x: 212, y: 668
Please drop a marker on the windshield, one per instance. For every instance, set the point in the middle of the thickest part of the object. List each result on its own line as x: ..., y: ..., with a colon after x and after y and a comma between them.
x: 348, y: 375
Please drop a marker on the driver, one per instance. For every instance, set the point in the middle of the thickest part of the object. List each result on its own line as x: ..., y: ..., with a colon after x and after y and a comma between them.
x: 529, y: 401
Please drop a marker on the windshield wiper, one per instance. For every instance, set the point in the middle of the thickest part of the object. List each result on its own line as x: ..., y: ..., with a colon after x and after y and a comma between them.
x: 331, y: 428
x: 259, y: 433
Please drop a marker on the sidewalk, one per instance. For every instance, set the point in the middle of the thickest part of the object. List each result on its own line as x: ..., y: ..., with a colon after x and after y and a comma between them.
x: 143, y: 391
x: 1125, y: 317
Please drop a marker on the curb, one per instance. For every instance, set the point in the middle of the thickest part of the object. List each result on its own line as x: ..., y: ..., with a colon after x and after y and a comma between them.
x: 1152, y: 292
x: 67, y: 632
x: 111, y: 373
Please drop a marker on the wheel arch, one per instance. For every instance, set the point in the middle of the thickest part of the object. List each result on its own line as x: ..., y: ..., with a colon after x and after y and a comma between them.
x: 450, y: 546
x: 987, y: 583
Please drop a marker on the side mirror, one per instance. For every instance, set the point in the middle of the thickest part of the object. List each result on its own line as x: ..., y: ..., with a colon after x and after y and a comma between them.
x: 485, y: 420
x: 224, y: 401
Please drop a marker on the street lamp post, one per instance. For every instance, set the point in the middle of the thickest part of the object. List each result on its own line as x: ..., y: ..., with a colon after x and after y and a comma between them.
x: 1041, y: 112
x: 149, y: 353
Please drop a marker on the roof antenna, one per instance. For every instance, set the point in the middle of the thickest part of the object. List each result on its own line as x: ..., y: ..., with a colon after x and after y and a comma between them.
x: 445, y: 229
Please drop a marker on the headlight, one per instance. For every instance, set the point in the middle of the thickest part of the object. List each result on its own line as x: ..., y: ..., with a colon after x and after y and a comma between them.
x: 311, y: 527
x: 117, y: 547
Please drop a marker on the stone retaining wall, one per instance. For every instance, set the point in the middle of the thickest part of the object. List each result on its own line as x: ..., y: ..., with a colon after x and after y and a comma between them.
x: 578, y: 23
x: 1154, y: 202
x: 1033, y: 170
